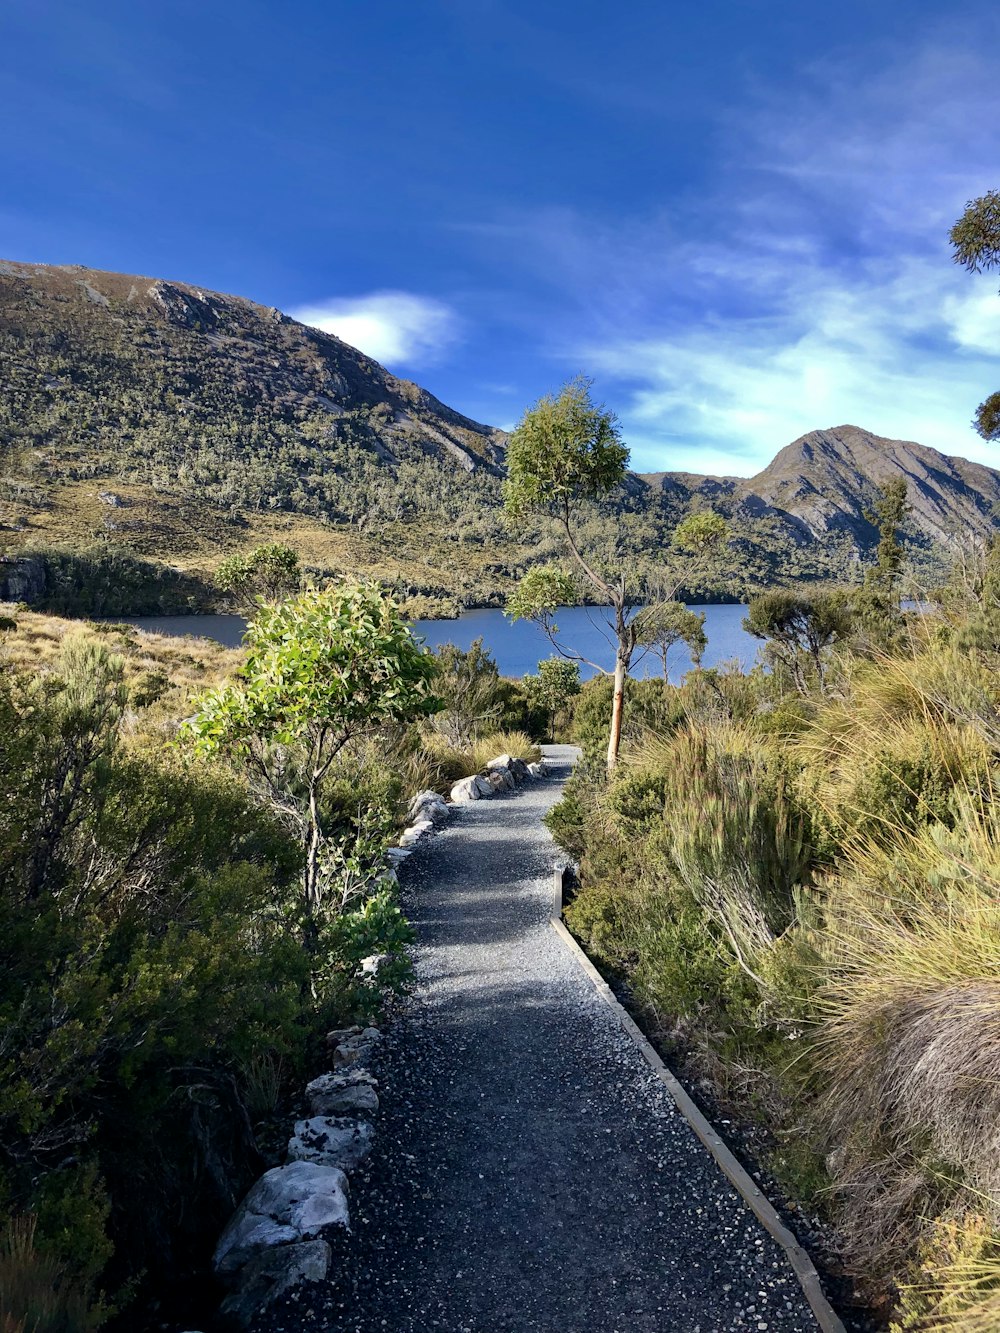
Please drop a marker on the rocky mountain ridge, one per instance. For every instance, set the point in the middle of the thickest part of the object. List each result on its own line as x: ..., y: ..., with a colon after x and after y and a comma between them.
x: 156, y: 420
x: 825, y: 481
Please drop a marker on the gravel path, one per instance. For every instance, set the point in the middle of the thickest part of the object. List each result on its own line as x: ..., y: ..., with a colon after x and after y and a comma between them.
x: 531, y: 1173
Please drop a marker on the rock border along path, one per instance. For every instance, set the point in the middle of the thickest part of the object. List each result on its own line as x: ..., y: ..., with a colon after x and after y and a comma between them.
x: 531, y: 1172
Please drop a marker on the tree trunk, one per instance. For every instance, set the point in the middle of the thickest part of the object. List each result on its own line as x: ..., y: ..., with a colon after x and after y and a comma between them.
x: 617, y: 706
x: 313, y: 844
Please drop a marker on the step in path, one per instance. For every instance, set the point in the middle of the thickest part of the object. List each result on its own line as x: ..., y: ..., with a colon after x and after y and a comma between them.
x: 531, y: 1173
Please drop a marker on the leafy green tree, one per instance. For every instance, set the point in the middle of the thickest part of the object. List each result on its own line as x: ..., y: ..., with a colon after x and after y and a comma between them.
x: 799, y: 628
x: 322, y: 669
x: 665, y: 624
x: 876, y: 604
x: 567, y: 450
x: 975, y: 240
x: 267, y: 573
x: 557, y: 682
x: 474, y: 695
x: 564, y: 450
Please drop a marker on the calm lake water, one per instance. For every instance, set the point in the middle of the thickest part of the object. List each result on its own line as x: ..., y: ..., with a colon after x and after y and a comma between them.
x: 517, y: 648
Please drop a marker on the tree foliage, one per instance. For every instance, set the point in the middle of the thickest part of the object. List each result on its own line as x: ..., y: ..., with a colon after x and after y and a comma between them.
x: 556, y: 683
x: 564, y: 449
x: 267, y: 573
x: 975, y: 240
x: 799, y: 628
x: 660, y: 626
x: 322, y: 669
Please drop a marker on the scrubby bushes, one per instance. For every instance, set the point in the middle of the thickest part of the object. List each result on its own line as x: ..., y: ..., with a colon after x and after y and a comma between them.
x: 164, y: 981
x: 800, y: 881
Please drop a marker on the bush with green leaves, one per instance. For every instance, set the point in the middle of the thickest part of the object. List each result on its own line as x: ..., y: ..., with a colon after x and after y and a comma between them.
x: 323, y: 670
x: 149, y: 954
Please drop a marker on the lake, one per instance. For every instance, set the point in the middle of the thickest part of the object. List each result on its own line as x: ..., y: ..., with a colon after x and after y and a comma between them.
x: 517, y: 648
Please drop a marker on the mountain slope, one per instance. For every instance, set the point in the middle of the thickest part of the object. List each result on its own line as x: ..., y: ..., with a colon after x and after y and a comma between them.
x: 200, y: 354
x: 820, y: 487
x: 152, y: 419
x: 827, y: 478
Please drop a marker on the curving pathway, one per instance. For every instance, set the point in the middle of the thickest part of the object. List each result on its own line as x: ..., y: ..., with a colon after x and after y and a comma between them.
x: 531, y: 1174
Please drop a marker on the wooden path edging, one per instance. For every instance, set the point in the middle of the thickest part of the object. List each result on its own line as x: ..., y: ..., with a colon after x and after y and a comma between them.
x: 737, y: 1175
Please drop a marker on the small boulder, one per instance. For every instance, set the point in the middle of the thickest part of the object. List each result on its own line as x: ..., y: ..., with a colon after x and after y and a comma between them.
x: 519, y: 769
x: 331, y: 1141
x: 346, y: 1094
x: 343, y: 1034
x: 270, y: 1275
x: 501, y: 761
x: 287, y: 1204
x: 465, y: 791
x: 428, y: 804
x: 501, y: 779
x: 355, y: 1049
x: 416, y: 831
x: 537, y: 770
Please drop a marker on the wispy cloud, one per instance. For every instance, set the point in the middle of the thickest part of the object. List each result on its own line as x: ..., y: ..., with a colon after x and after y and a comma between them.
x: 396, y: 328
x: 809, y: 285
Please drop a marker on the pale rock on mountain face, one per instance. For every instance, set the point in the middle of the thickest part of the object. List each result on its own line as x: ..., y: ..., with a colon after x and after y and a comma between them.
x: 824, y: 482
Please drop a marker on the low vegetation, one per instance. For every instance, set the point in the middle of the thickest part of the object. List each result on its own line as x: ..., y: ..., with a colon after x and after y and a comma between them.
x: 797, y: 870
x: 184, y: 909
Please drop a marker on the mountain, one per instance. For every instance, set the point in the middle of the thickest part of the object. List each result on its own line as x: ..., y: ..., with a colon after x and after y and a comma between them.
x: 822, y: 484
x: 149, y: 427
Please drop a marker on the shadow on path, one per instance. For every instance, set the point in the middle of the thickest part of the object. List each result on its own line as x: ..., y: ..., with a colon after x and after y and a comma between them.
x: 531, y: 1172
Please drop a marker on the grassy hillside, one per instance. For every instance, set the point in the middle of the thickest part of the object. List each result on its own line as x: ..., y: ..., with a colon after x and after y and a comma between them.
x: 153, y: 421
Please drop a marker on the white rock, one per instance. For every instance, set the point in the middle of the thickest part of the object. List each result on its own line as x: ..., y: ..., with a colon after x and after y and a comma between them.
x: 271, y: 1274
x: 374, y: 963
x: 465, y: 791
x: 331, y: 1141
x: 287, y: 1204
x: 398, y: 854
x: 537, y: 770
x: 416, y: 831
x: 501, y: 761
x: 349, y: 1093
x: 428, y: 804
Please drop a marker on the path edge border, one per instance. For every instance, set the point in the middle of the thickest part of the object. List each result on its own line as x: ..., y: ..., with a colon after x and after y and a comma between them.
x: 728, y: 1164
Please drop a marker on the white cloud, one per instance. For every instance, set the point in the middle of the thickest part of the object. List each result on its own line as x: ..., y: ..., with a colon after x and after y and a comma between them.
x: 396, y: 328
x: 901, y: 354
x: 811, y: 285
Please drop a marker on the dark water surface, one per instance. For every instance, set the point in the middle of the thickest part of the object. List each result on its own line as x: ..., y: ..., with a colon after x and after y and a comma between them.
x: 518, y: 647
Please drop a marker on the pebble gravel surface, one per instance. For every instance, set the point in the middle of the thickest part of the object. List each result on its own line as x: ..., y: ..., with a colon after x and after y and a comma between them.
x: 531, y: 1174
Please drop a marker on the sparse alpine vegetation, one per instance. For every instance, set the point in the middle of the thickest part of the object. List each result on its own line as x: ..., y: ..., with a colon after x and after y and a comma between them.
x: 149, y: 429
x: 798, y: 872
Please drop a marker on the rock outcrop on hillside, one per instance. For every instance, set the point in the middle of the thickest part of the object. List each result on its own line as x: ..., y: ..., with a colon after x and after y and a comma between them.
x: 152, y: 418
x: 825, y: 482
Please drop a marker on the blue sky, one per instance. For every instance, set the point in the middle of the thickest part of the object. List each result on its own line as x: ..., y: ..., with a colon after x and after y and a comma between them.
x: 732, y: 213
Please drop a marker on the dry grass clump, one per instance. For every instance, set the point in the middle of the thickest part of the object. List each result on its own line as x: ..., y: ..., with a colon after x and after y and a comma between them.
x: 909, y: 1051
x: 448, y: 763
x: 515, y: 743
x: 36, y: 1293
x: 160, y: 669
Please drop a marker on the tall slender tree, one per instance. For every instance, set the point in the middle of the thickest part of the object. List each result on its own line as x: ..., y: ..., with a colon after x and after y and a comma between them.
x: 567, y: 450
